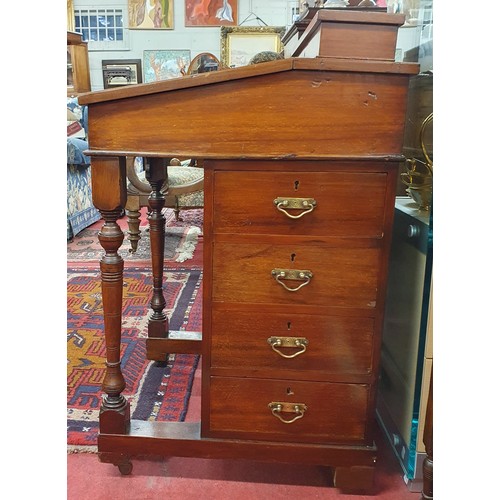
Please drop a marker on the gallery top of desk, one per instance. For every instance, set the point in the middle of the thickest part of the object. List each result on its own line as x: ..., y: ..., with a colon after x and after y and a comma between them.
x: 330, y: 101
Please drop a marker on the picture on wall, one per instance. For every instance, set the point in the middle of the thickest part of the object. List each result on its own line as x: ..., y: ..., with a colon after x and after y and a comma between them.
x: 241, y: 43
x: 165, y: 64
x: 121, y: 72
x: 151, y: 14
x: 211, y: 13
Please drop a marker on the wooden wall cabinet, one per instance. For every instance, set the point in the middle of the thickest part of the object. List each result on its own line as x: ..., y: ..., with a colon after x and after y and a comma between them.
x: 78, y: 79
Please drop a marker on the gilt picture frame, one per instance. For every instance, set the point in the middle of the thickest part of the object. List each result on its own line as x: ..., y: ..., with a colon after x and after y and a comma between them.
x: 121, y: 72
x: 240, y: 43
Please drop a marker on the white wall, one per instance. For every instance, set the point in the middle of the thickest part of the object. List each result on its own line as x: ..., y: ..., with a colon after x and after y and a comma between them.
x: 197, y: 40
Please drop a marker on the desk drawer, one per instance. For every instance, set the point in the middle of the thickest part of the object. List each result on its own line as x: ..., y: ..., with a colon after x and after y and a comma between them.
x: 327, y: 344
x: 341, y: 276
x: 333, y: 413
x: 244, y: 203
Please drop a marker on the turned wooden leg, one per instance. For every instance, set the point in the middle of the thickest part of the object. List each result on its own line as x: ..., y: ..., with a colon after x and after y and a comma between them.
x: 133, y: 211
x: 177, y: 210
x: 109, y: 196
x: 156, y: 174
x: 428, y: 464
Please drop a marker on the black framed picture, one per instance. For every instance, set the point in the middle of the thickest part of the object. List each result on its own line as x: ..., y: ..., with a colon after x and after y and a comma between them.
x: 121, y: 72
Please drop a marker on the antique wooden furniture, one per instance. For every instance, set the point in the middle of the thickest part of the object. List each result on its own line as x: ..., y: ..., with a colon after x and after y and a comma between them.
x: 78, y: 79
x: 349, y: 34
x: 301, y: 158
x: 182, y: 188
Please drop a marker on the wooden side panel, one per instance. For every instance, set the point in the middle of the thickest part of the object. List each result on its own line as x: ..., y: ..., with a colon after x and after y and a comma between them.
x: 291, y: 114
x: 350, y: 40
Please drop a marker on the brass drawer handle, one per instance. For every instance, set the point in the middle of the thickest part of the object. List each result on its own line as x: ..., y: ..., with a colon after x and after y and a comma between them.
x: 292, y: 274
x: 306, y: 204
x: 279, y: 407
x: 280, y: 342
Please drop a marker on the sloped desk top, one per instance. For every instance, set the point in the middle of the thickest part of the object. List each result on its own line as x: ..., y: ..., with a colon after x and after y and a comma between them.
x: 291, y: 108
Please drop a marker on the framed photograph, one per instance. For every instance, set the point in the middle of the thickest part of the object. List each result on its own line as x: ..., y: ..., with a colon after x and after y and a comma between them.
x: 121, y: 72
x: 165, y: 64
x: 240, y: 43
x: 151, y: 14
x: 211, y: 13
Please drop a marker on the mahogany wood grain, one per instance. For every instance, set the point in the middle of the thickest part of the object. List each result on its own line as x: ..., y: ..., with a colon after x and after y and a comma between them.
x: 109, y: 195
x: 342, y: 276
x: 245, y: 72
x: 333, y: 215
x: 281, y: 115
x: 159, y: 349
x: 78, y: 50
x: 368, y: 119
x: 348, y: 34
x: 337, y: 345
x: 336, y: 413
x: 156, y: 174
x: 183, y: 439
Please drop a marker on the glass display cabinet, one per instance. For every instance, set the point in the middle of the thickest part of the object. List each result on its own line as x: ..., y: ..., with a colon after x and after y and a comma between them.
x: 407, y: 356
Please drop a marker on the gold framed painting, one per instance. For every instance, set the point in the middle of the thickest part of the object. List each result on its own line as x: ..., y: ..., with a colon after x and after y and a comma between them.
x: 240, y: 43
x: 151, y: 14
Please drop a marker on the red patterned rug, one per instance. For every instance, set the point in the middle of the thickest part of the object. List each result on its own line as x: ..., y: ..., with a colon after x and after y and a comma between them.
x: 180, y: 243
x: 155, y: 391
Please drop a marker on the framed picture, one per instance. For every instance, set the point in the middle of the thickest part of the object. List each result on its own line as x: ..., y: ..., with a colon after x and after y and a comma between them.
x: 151, y: 14
x: 121, y: 72
x: 211, y: 13
x: 165, y: 64
x: 240, y: 43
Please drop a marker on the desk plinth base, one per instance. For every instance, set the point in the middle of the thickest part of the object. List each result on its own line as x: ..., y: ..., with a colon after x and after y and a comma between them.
x: 354, y: 465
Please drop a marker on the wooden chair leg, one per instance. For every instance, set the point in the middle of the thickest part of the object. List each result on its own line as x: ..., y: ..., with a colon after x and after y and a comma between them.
x: 177, y: 209
x: 132, y: 210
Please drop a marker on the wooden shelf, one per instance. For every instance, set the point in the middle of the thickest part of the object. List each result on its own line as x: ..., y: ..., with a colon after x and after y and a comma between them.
x: 78, y: 80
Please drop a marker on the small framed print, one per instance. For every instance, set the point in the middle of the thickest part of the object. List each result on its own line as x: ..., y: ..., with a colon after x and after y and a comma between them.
x: 121, y: 72
x: 165, y: 64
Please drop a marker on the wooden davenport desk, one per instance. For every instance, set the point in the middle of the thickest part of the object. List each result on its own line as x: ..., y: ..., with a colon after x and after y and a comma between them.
x: 301, y: 158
